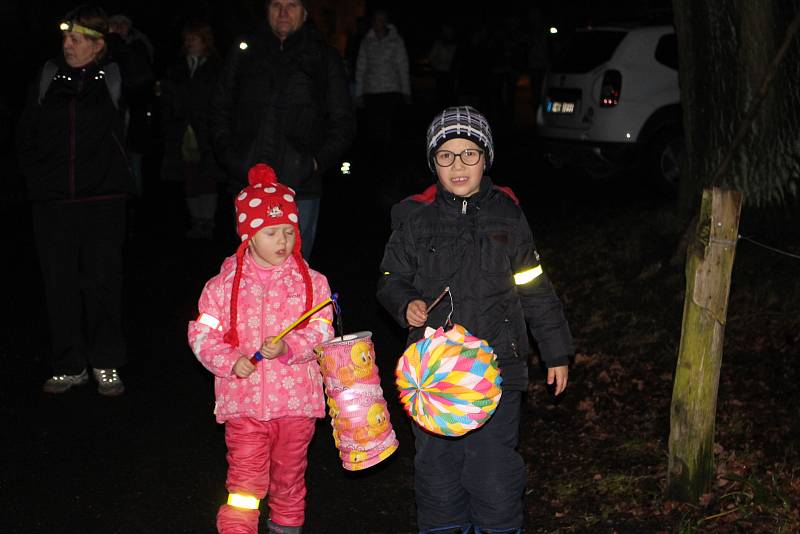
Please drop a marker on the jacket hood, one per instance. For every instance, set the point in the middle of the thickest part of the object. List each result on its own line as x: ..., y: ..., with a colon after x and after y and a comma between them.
x: 391, y: 33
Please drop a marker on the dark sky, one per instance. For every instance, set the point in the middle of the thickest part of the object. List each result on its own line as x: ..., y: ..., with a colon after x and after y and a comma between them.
x: 30, y: 26
x: 415, y: 18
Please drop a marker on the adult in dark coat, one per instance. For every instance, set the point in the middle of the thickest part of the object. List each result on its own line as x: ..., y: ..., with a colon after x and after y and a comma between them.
x: 185, y: 96
x: 139, y: 103
x: 283, y: 99
x: 72, y: 153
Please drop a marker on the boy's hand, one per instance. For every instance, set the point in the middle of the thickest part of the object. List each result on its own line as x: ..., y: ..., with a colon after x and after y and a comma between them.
x: 558, y: 375
x: 415, y: 313
x: 271, y: 351
x: 243, y: 367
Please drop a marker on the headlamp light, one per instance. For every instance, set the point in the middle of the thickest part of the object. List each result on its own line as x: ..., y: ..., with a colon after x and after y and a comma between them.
x: 72, y: 26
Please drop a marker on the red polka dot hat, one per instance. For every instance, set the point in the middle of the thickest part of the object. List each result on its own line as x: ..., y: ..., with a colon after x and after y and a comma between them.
x: 264, y: 202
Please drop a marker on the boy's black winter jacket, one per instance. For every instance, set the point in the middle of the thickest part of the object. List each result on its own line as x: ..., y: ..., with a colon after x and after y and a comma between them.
x: 285, y: 104
x: 475, y: 246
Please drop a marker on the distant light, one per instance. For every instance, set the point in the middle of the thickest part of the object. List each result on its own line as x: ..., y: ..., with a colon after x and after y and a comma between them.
x: 628, y: 135
x: 345, y: 169
x: 243, y: 46
x: 553, y: 30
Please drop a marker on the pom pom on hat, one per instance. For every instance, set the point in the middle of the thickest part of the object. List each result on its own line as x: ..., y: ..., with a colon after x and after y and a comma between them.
x: 264, y: 202
x: 262, y: 174
x: 460, y: 122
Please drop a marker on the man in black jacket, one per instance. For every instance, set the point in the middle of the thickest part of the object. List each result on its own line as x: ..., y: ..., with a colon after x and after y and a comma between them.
x: 283, y: 99
x: 71, y: 142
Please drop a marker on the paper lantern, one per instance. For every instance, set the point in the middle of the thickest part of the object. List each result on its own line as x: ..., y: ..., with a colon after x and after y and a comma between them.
x: 362, y: 431
x: 449, y: 381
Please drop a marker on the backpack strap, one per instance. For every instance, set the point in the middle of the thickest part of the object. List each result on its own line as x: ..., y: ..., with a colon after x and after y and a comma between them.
x: 113, y: 80
x: 48, y: 71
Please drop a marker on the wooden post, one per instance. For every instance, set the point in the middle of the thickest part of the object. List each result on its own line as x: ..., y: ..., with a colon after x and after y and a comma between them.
x: 709, y: 262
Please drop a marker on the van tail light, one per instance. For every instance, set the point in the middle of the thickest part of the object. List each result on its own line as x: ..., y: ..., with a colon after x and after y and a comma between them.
x: 611, y: 89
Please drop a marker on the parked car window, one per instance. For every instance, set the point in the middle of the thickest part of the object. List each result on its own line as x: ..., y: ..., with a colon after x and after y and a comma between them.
x: 667, y: 51
x: 587, y: 50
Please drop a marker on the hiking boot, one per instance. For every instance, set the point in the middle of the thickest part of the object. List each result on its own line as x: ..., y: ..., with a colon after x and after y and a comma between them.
x: 61, y: 383
x: 108, y: 382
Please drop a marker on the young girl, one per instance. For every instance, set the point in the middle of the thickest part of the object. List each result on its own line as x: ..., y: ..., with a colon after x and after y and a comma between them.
x: 268, y: 407
x: 470, y: 235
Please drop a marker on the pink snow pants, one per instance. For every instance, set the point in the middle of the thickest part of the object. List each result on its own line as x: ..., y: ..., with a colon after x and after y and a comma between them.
x: 266, y: 458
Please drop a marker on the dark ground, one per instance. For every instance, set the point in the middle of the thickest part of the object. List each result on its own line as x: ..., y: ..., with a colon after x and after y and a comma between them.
x: 153, y: 459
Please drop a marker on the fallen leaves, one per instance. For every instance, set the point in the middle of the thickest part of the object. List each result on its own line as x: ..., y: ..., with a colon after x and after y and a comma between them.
x: 588, y: 360
x: 600, y: 455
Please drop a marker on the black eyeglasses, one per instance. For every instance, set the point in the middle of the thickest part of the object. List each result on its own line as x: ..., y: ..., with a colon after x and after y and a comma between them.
x: 468, y: 156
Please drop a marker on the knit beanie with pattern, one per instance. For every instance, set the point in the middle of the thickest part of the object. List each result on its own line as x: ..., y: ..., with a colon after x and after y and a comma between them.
x: 264, y: 202
x: 460, y: 122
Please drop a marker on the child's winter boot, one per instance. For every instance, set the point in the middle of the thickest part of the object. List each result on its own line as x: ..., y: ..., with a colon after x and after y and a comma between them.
x: 274, y: 528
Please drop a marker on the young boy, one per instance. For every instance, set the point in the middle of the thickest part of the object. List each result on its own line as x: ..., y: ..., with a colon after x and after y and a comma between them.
x: 470, y: 235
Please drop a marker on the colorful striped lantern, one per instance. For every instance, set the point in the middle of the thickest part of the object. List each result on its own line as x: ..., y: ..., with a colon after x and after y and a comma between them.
x: 449, y: 381
x: 362, y: 431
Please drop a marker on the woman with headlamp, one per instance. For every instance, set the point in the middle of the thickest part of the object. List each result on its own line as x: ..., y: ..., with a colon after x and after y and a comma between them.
x: 71, y: 150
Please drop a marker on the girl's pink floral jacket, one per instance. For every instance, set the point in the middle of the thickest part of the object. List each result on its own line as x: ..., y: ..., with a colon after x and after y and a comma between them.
x: 278, y: 388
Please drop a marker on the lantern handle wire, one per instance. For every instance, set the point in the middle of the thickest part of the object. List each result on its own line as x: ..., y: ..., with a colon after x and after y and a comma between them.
x: 338, y: 311
x: 446, y: 291
x: 448, y: 323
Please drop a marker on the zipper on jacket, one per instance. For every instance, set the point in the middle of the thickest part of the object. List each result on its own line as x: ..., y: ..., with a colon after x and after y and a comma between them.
x: 73, y: 117
x: 261, y: 365
x: 72, y: 156
x: 464, y: 207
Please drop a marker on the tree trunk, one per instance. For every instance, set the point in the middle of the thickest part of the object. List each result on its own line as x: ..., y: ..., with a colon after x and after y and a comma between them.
x: 694, y: 397
x: 726, y: 49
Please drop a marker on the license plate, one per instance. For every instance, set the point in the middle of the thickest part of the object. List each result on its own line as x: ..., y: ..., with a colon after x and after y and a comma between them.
x: 560, y: 106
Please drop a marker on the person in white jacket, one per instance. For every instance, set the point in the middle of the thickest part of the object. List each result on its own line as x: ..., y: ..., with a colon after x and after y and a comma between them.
x: 382, y: 81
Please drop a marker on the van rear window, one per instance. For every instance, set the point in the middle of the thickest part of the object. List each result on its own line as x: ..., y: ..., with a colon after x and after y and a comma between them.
x: 587, y: 50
